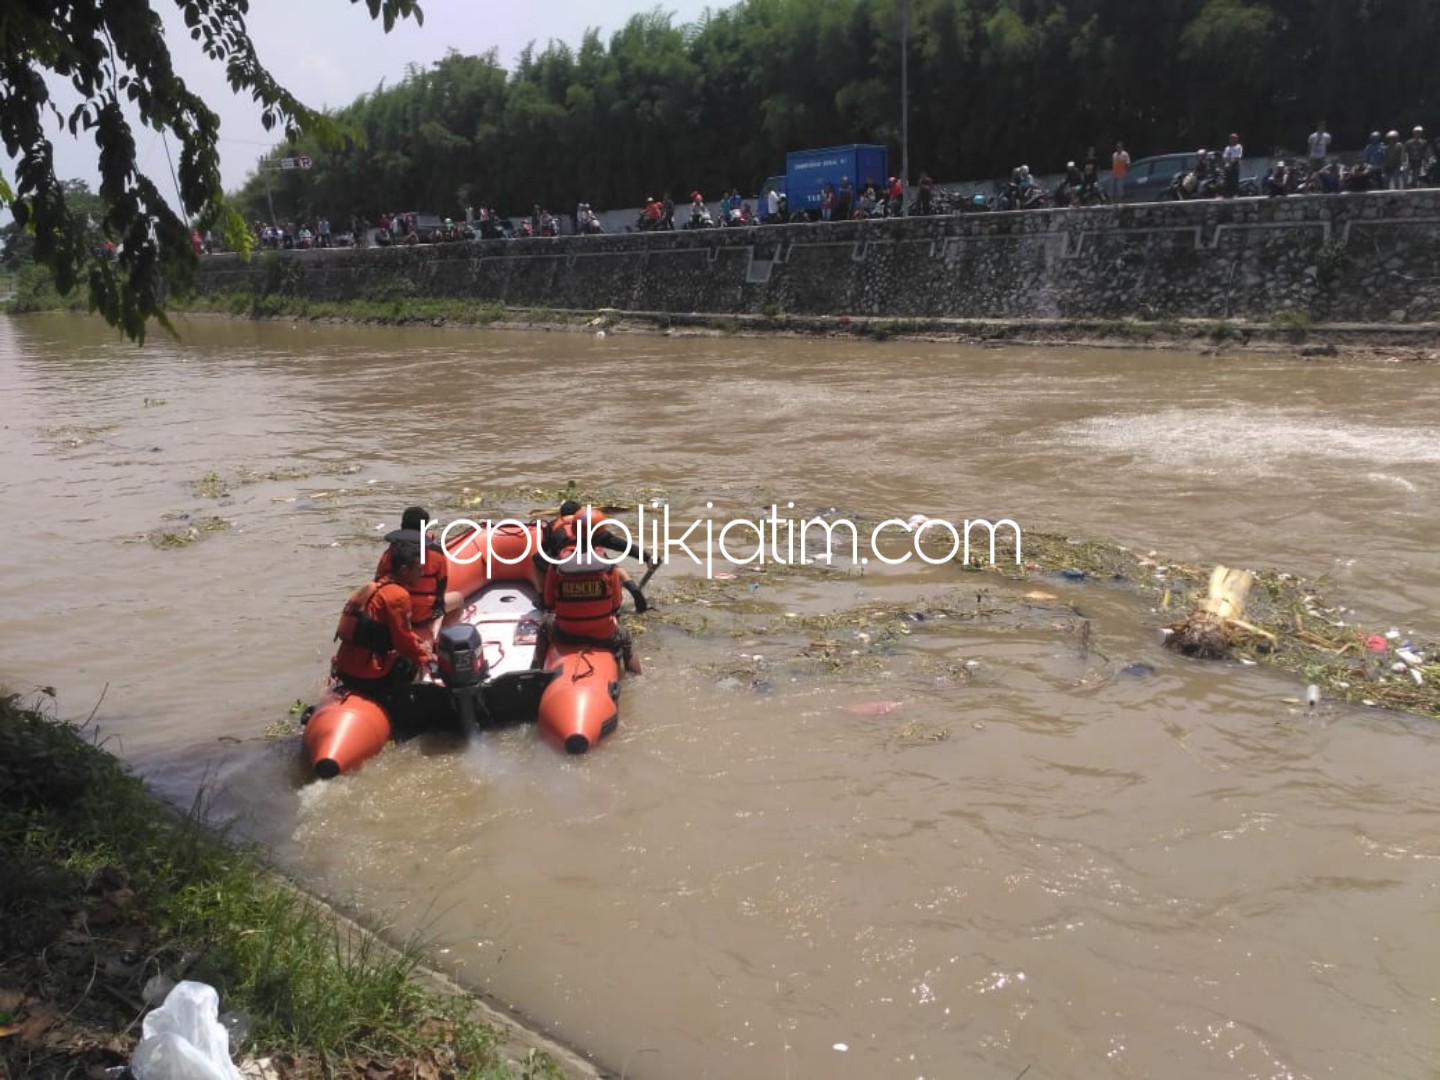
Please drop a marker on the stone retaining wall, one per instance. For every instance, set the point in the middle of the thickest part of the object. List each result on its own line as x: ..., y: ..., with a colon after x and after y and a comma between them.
x: 1367, y: 258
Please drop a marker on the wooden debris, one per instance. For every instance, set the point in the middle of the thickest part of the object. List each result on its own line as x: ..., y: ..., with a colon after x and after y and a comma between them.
x: 1217, y: 622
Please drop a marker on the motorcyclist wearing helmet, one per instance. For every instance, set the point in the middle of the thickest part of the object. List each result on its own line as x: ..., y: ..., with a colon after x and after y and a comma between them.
x: 1068, y: 191
x: 1277, y: 180
x: 1374, y: 154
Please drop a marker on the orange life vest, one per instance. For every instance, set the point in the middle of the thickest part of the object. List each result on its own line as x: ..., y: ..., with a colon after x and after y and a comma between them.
x: 367, y: 646
x: 565, y: 532
x: 560, y: 535
x: 427, y: 598
x: 584, y: 592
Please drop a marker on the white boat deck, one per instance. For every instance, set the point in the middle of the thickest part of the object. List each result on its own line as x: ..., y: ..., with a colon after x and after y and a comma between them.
x: 508, y: 615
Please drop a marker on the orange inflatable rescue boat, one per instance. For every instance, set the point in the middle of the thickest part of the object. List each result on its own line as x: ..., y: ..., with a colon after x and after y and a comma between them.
x: 494, y: 666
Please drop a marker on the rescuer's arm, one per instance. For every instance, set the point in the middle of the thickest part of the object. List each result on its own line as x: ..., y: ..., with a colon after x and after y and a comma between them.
x: 436, y: 558
x: 402, y: 634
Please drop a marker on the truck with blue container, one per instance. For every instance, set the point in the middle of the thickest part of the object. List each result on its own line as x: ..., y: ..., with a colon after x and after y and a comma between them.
x: 808, y: 171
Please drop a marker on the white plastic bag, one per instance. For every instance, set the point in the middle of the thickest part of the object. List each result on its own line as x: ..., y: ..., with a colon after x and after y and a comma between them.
x: 183, y: 1039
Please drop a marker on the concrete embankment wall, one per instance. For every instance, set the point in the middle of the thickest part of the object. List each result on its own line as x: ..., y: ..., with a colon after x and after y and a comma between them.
x: 1372, y: 257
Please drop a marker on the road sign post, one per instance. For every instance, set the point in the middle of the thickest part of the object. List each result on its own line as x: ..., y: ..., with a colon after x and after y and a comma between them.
x: 284, y: 164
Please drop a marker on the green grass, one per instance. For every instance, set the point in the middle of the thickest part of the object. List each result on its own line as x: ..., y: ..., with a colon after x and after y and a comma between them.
x: 194, y: 906
x: 387, y: 307
x: 1291, y: 320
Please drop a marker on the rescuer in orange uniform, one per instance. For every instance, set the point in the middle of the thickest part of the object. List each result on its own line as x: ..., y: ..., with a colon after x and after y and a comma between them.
x: 583, y: 594
x: 379, y: 649
x: 429, y: 599
x: 576, y: 526
x: 560, y: 533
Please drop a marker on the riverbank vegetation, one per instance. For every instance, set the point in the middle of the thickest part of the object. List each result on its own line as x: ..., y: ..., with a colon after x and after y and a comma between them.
x: 1294, y: 626
x: 1396, y: 342
x: 110, y: 896
x: 1289, y: 622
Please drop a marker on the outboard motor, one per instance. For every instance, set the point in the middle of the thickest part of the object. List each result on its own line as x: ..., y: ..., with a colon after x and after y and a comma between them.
x: 460, y: 658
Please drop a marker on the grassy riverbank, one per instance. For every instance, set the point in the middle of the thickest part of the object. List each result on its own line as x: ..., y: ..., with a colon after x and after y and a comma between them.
x: 1293, y: 332
x: 1288, y: 332
x: 108, y: 893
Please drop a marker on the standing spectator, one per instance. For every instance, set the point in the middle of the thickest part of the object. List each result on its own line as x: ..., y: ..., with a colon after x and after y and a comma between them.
x: 1416, y: 150
x: 827, y: 201
x: 1374, y: 154
x: 927, y: 191
x: 1119, y: 166
x: 844, y: 199
x: 323, y: 229
x: 1394, y: 161
x: 1232, y: 156
x: 1319, y: 142
x: 896, y: 194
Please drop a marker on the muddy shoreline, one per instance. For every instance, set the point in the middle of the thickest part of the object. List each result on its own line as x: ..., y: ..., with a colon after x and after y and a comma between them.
x: 1290, y: 337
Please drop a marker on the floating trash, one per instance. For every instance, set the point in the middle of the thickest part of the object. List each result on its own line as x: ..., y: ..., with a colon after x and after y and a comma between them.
x: 872, y: 708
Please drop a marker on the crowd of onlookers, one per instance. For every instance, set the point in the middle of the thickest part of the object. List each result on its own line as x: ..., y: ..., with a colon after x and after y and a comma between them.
x: 1387, y: 162
x: 300, y: 235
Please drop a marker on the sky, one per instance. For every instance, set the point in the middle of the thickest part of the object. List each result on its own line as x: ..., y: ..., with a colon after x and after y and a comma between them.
x: 329, y: 52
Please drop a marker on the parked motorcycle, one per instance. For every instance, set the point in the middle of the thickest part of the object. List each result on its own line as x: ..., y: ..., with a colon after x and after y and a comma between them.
x: 1192, y: 184
x: 1015, y: 197
x: 700, y: 217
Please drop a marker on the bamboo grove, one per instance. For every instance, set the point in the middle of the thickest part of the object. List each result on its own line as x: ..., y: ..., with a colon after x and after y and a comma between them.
x: 992, y: 83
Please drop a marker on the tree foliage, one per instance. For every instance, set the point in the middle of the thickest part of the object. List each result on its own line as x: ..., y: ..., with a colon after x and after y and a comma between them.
x: 993, y: 83
x: 113, y: 54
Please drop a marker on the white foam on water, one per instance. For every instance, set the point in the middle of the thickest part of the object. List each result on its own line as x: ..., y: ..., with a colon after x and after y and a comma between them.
x: 1247, y: 440
x: 1394, y: 481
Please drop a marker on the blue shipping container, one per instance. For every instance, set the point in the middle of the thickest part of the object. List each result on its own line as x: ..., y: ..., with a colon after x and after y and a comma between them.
x: 807, y: 171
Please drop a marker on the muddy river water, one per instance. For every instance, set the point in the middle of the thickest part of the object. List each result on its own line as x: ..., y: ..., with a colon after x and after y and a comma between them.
x: 825, y: 841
